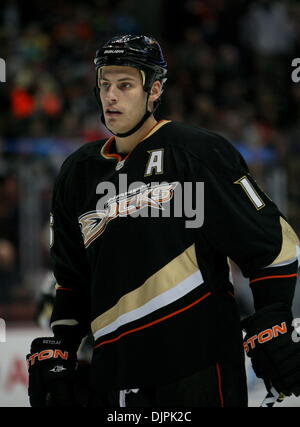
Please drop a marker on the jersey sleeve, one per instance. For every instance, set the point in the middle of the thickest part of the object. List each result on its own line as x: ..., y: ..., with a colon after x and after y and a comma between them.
x: 243, y: 223
x: 69, y: 262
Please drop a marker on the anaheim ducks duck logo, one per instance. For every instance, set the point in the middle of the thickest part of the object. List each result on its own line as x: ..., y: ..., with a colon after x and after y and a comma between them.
x: 94, y: 223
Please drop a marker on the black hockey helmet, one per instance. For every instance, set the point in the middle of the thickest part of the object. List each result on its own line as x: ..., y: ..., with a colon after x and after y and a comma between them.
x: 138, y: 51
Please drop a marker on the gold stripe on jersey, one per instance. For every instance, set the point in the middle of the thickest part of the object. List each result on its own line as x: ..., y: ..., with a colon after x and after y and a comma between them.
x: 176, y: 279
x: 289, y: 245
x: 158, y: 125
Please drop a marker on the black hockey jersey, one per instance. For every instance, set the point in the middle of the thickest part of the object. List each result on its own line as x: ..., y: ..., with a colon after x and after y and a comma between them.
x: 140, y: 253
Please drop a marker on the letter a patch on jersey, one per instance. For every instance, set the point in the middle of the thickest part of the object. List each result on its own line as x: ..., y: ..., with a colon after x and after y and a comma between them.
x: 155, y: 162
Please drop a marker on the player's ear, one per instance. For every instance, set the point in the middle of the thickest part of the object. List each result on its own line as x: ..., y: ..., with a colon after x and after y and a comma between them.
x: 155, y: 91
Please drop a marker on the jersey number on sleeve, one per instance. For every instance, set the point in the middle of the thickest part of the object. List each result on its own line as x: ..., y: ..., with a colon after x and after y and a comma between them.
x: 251, y: 192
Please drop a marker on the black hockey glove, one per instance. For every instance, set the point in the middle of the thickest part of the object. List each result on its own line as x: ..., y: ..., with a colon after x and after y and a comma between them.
x: 275, y: 355
x: 52, y: 373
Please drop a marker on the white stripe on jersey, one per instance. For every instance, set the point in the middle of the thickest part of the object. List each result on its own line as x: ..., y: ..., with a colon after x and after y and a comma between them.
x: 165, y: 298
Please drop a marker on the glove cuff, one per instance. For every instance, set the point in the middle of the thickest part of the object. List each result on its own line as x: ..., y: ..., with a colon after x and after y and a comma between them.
x: 69, y: 335
x: 267, y: 316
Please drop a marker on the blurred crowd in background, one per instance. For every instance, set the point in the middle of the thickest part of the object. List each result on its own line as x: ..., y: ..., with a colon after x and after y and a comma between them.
x: 229, y: 70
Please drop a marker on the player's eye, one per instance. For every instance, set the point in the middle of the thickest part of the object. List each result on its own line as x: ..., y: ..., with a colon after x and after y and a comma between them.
x: 125, y: 85
x: 103, y: 85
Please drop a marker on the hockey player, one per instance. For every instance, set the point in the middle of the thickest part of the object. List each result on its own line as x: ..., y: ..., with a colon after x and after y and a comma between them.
x: 150, y: 279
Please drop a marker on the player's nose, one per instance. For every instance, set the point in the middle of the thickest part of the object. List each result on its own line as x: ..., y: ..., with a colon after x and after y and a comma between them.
x: 111, y: 95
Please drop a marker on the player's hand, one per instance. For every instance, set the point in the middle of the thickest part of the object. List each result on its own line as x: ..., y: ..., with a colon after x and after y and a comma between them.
x: 275, y: 356
x: 52, y: 373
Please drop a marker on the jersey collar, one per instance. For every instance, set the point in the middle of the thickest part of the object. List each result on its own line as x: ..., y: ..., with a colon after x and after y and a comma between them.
x: 107, y: 150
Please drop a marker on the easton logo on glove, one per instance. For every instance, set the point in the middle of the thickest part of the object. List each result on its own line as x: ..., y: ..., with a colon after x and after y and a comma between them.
x: 265, y: 336
x: 47, y: 354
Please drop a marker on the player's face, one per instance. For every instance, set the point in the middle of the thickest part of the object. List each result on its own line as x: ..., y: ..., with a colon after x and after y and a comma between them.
x: 123, y: 97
